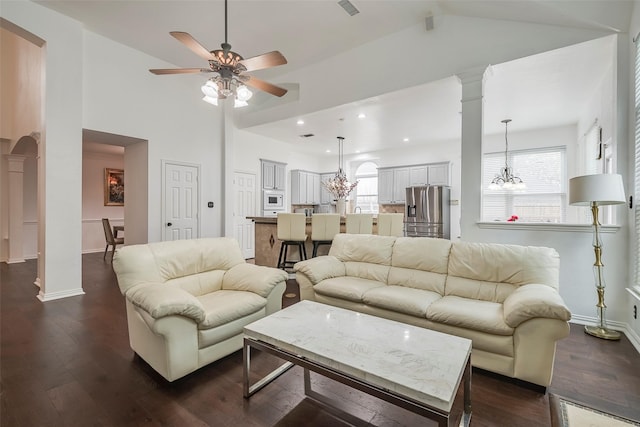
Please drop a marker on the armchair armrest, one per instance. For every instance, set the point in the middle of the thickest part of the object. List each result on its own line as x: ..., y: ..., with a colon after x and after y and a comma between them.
x: 161, y: 300
x: 253, y: 278
x: 534, y: 300
x: 320, y: 268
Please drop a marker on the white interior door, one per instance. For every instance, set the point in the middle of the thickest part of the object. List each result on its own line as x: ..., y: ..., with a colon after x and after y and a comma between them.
x: 181, y: 202
x: 245, y: 205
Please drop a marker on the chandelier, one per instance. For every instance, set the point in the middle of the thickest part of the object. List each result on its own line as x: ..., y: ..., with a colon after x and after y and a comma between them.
x: 506, y: 180
x: 339, y: 186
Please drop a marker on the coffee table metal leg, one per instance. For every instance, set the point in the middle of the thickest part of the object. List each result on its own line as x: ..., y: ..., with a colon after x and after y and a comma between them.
x: 248, y: 389
x: 466, y: 414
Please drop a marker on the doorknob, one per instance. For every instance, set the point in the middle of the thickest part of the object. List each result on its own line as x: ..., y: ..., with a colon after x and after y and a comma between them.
x: 169, y: 224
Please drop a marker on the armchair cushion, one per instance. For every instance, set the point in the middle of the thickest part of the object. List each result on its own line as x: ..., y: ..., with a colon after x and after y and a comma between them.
x: 534, y: 300
x: 249, y: 277
x: 163, y: 300
x: 223, y: 307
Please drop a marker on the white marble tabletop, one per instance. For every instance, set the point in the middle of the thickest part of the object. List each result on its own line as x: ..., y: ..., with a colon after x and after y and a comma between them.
x: 418, y: 363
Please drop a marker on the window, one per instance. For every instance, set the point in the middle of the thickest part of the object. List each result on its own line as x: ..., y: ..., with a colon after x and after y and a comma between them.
x: 545, y: 198
x: 636, y: 196
x: 367, y: 189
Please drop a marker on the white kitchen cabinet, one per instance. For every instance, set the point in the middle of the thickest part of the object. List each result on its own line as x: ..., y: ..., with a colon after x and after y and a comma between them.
x: 325, y: 196
x: 393, y: 181
x: 273, y: 175
x: 400, y: 184
x: 418, y: 175
x: 385, y: 186
x: 305, y: 188
x: 439, y: 174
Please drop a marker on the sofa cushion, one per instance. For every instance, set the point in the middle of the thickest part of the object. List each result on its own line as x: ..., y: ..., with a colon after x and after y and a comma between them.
x: 483, y: 316
x: 422, y: 253
x: 363, y: 248
x: 367, y: 270
x: 349, y: 288
x: 226, y: 306
x: 490, y: 272
x: 417, y: 279
x: 401, y: 299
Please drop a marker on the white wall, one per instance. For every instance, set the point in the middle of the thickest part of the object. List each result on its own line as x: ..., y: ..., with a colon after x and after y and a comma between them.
x: 93, y: 208
x: 60, y: 219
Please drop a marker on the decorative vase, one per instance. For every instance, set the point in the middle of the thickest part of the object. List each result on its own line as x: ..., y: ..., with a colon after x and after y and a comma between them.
x: 341, y: 207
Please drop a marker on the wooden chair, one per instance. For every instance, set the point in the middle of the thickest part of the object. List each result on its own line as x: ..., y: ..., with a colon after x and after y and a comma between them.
x: 111, y: 240
x: 323, y: 228
x: 359, y: 224
x: 292, y: 231
x: 390, y: 224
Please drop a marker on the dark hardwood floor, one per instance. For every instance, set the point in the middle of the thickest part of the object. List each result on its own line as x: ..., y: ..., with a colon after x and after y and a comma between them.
x: 68, y: 363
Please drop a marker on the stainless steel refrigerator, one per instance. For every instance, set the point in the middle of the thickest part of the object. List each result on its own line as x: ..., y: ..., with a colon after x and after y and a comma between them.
x: 427, y: 211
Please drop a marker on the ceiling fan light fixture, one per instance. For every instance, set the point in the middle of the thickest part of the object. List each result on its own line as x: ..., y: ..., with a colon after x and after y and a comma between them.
x: 211, y: 100
x: 210, y: 89
x: 243, y: 93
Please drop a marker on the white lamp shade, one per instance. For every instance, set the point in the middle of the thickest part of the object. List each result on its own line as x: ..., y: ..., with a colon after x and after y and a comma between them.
x: 604, y: 189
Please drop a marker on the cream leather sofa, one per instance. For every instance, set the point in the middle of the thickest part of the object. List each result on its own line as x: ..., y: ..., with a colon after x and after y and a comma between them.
x: 188, y: 300
x: 503, y: 297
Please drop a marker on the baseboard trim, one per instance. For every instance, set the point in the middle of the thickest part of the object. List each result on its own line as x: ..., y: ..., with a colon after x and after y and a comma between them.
x: 44, y: 297
x: 618, y: 326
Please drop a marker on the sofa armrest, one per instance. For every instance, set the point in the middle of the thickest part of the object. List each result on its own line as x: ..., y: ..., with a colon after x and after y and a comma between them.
x: 253, y: 278
x: 534, y: 300
x: 320, y: 268
x: 161, y: 300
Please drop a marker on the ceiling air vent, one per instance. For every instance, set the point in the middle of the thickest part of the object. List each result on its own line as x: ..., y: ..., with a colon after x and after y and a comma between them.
x: 348, y: 7
x: 307, y: 135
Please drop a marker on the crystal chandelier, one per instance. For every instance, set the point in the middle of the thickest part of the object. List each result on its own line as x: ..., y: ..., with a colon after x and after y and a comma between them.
x: 339, y: 186
x: 506, y: 180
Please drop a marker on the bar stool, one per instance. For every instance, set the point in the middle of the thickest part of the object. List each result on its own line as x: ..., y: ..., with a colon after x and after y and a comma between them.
x: 390, y: 224
x: 292, y: 232
x: 323, y: 228
x: 359, y: 223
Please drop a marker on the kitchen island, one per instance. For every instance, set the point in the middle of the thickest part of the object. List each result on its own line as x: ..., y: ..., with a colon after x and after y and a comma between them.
x: 268, y: 245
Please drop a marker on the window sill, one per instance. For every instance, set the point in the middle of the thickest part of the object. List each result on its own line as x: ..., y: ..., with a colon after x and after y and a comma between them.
x: 545, y: 226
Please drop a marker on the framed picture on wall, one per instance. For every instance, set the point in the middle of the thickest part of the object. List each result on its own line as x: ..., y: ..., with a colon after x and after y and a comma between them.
x: 113, y: 187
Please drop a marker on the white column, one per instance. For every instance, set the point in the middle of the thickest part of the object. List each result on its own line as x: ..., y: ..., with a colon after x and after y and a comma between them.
x: 15, y: 166
x: 471, y: 151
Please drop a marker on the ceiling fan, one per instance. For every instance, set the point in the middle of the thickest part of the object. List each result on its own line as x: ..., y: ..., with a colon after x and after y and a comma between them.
x: 229, y: 67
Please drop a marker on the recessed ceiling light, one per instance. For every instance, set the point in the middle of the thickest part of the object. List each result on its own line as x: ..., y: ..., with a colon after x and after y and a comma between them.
x: 357, y: 151
x: 328, y: 151
x: 406, y: 139
x: 362, y: 115
x: 300, y: 122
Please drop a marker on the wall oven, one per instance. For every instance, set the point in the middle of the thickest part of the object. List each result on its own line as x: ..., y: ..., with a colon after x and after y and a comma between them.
x: 273, y: 200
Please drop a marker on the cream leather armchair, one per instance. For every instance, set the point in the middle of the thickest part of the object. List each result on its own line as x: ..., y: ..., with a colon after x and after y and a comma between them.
x: 188, y: 300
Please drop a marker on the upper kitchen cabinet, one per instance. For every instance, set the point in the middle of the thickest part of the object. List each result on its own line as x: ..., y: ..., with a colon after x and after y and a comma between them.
x: 438, y: 174
x: 273, y: 175
x: 305, y: 188
x: 325, y: 196
x: 393, y: 181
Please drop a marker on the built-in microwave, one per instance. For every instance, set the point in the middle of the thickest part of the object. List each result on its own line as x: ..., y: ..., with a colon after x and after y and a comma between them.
x: 272, y: 200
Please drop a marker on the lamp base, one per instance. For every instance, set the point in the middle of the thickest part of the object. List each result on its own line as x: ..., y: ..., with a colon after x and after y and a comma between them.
x: 604, y: 333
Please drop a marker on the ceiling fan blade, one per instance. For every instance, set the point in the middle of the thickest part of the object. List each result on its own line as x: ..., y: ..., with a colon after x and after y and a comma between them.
x: 160, y: 71
x: 265, y: 86
x: 193, y: 44
x: 266, y: 60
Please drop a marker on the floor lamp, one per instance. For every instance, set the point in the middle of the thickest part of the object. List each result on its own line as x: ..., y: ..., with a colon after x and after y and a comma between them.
x: 595, y: 191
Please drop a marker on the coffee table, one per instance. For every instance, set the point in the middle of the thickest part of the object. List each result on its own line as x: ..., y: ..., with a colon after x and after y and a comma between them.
x: 412, y: 367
